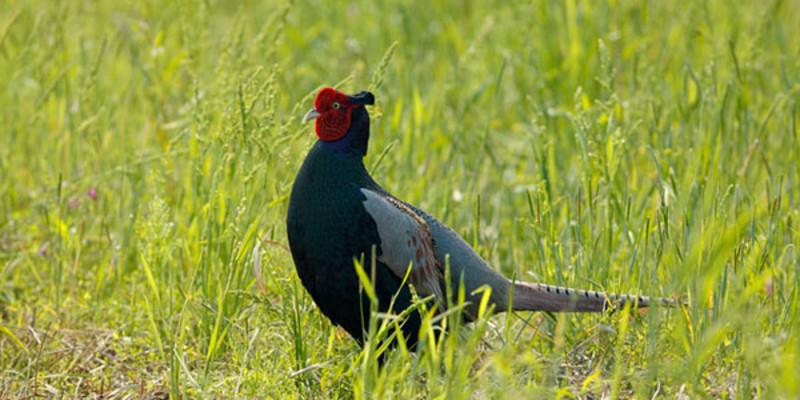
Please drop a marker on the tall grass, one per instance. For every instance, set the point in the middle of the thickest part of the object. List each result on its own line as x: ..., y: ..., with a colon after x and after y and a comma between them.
x: 148, y: 149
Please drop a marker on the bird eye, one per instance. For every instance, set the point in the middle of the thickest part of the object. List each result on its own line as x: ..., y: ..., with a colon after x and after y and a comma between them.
x: 336, y: 105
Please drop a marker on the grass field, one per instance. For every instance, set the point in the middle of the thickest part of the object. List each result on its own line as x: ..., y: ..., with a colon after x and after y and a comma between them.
x: 147, y: 150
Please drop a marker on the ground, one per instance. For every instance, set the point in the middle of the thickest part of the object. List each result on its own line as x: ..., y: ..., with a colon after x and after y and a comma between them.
x: 147, y: 150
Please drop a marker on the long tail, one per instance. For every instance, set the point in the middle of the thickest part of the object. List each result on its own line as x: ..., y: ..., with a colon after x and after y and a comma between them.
x: 541, y: 297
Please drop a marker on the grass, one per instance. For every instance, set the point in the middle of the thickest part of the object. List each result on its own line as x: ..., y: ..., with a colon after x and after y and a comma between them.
x: 148, y: 149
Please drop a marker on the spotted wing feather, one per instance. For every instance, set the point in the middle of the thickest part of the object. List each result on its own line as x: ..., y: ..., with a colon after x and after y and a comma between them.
x: 406, y: 242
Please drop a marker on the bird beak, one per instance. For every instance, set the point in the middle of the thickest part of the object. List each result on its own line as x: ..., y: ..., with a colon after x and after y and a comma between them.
x: 311, y: 114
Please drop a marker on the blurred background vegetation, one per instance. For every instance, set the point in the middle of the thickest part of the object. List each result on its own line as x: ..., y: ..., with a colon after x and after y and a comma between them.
x: 147, y: 150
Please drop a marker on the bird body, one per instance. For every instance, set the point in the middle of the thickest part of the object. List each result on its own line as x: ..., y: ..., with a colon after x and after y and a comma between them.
x: 339, y: 214
x: 328, y: 228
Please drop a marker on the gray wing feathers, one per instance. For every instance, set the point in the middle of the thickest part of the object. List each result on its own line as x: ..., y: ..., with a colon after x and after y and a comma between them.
x: 466, y: 267
x: 406, y: 242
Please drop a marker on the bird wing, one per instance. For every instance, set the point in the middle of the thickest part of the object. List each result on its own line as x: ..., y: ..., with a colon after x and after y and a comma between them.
x: 406, y: 242
x: 467, y: 268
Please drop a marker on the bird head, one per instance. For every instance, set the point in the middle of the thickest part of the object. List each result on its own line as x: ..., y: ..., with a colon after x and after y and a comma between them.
x: 342, y: 118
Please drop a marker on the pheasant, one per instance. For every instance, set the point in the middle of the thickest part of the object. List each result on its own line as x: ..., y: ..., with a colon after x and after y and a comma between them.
x: 338, y: 214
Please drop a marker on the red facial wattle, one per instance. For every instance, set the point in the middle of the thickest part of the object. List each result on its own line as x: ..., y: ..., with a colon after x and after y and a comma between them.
x: 334, y: 114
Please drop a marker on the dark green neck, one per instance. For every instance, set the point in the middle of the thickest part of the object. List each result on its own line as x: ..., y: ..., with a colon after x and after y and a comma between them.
x: 329, y: 164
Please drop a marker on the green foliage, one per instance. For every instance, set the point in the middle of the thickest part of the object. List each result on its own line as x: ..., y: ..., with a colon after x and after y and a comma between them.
x: 148, y: 149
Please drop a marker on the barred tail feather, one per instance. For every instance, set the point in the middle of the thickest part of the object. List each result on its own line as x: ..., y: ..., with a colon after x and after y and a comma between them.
x: 541, y: 297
